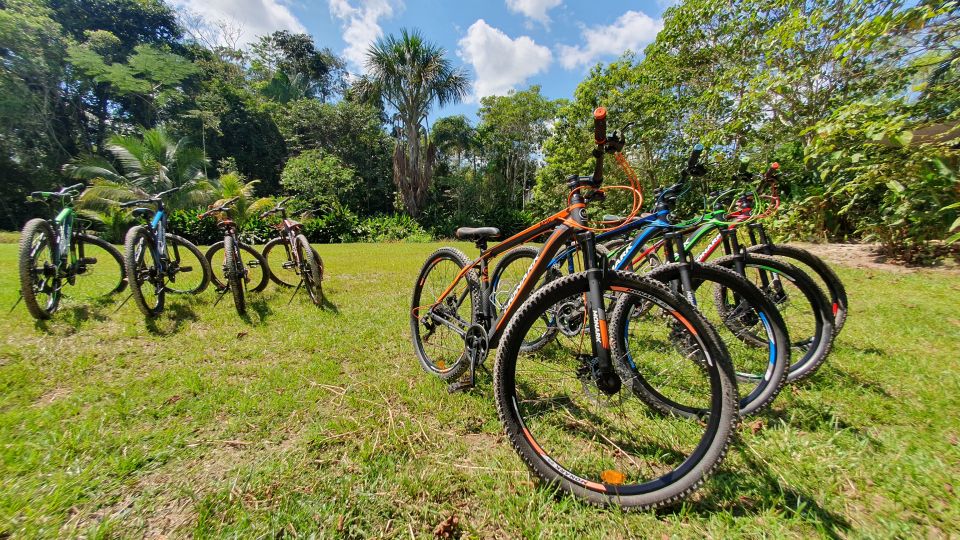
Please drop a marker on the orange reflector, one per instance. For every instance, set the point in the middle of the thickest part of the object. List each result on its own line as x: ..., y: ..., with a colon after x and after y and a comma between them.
x: 613, y: 477
x: 441, y: 364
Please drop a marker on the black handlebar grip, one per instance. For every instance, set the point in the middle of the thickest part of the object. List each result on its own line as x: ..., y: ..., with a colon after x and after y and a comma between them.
x: 695, y: 156
x: 600, y: 125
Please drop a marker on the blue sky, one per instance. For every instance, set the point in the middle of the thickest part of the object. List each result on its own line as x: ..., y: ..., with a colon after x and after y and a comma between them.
x: 503, y: 44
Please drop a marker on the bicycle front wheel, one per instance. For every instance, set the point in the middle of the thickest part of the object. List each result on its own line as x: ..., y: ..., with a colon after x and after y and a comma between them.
x: 599, y: 442
x: 234, y: 274
x: 141, y: 260
x: 40, y: 279
x: 312, y: 269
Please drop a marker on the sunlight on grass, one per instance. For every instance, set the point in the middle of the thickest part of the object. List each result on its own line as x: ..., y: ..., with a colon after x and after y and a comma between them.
x: 304, y: 419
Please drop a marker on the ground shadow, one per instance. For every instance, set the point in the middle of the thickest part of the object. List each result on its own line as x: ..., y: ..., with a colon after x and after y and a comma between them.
x: 762, y: 490
x: 171, y: 320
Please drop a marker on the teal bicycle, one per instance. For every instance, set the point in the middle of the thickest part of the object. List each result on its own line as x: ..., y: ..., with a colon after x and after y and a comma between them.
x: 55, y: 253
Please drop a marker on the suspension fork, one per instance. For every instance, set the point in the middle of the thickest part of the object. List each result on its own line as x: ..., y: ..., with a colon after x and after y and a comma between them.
x: 596, y: 312
x: 673, y: 244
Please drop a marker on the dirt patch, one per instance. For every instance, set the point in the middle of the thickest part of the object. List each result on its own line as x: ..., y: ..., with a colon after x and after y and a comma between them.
x: 50, y: 396
x: 869, y: 256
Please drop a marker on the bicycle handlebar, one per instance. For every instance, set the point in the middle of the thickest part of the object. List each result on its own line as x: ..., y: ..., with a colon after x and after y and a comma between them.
x: 223, y: 207
x: 600, y: 138
x: 280, y: 206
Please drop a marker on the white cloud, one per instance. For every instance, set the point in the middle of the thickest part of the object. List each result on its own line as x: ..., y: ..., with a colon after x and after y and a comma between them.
x: 361, y: 26
x: 500, y: 63
x: 255, y: 17
x: 534, y: 9
x: 632, y: 31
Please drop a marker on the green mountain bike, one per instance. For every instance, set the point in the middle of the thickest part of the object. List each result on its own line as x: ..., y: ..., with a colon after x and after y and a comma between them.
x: 55, y: 253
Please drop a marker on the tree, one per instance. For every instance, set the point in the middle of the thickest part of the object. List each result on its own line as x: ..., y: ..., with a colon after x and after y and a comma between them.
x: 293, y: 68
x: 353, y: 133
x: 246, y: 207
x: 411, y: 74
x: 453, y: 136
x: 150, y: 163
x: 321, y: 178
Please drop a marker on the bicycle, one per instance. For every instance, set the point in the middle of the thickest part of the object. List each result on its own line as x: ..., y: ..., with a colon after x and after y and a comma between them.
x: 257, y: 270
x: 555, y: 434
x: 52, y: 252
x: 154, y: 258
x: 291, y: 267
x: 753, y: 330
x: 236, y: 275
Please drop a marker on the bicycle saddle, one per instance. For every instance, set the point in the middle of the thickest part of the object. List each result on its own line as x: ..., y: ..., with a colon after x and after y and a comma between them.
x: 477, y: 233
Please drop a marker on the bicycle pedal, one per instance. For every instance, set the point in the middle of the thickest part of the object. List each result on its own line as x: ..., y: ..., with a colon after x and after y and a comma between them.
x: 459, y: 386
x: 288, y: 265
x: 186, y: 268
x: 88, y: 260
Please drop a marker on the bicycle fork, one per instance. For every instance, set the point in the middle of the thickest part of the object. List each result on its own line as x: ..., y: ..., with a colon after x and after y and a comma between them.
x: 601, y: 364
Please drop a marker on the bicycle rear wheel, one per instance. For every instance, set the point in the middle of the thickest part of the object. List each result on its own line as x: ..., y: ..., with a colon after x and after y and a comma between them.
x: 40, y: 280
x: 605, y: 446
x: 190, y: 271
x: 257, y: 269
x: 507, y: 277
x: 101, y: 267
x: 439, y: 328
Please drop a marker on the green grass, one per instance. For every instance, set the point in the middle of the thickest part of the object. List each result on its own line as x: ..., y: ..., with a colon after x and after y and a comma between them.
x: 302, y: 420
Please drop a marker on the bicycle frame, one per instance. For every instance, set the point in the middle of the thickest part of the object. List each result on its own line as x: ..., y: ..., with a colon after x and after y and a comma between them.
x: 563, y: 224
x: 65, y: 222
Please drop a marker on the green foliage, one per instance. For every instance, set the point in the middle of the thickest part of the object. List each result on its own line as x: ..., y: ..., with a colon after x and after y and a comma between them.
x: 831, y: 90
x: 354, y: 134
x: 321, y: 178
x: 392, y: 228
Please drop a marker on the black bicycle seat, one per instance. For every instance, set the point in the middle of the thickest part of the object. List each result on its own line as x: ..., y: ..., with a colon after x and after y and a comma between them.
x: 477, y: 233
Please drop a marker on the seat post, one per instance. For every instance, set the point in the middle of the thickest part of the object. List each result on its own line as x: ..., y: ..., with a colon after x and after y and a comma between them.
x: 481, y: 244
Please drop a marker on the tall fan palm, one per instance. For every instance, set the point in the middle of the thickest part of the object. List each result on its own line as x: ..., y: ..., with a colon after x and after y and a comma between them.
x: 150, y: 163
x: 410, y: 75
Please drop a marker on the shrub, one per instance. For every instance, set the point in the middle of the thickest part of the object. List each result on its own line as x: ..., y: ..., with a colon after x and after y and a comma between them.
x: 393, y: 228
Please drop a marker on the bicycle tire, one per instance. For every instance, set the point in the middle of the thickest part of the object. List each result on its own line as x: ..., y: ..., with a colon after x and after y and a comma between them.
x: 114, y: 254
x: 816, y: 348
x: 279, y: 276
x: 719, y: 424
x: 312, y: 275
x: 28, y: 253
x: 833, y: 283
x: 764, y: 387
x: 205, y: 269
x: 234, y: 273
x: 446, y: 370
x: 136, y: 244
x: 255, y: 255
x: 500, y: 298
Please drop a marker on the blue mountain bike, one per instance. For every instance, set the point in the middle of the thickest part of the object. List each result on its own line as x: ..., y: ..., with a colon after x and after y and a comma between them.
x: 157, y: 262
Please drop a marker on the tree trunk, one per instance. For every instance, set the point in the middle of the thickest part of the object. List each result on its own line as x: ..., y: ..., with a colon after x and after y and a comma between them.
x: 413, y: 169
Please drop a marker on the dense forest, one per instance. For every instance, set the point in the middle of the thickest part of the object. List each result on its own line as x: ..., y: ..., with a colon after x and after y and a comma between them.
x: 857, y: 100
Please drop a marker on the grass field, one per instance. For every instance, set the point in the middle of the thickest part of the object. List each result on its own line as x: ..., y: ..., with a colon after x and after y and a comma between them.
x: 304, y: 421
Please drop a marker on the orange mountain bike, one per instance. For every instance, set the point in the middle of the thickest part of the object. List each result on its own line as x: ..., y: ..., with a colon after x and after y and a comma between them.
x: 568, y: 407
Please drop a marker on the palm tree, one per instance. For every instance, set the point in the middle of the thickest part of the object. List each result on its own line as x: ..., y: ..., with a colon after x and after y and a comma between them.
x: 150, y: 163
x: 410, y: 75
x: 232, y: 185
